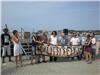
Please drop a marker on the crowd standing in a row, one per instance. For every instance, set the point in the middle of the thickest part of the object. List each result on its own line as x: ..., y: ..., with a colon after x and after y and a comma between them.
x: 86, y: 40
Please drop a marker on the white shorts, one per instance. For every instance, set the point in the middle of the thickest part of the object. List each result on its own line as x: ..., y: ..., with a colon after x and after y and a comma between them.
x: 5, y: 49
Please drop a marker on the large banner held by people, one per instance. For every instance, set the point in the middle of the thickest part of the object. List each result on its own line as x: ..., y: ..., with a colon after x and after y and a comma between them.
x: 59, y: 51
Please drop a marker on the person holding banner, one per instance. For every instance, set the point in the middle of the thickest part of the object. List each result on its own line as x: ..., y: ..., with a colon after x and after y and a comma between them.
x: 74, y: 42
x: 53, y: 41
x: 39, y: 41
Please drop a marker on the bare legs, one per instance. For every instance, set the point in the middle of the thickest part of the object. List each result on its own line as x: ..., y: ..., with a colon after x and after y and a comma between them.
x: 18, y: 60
x: 88, y: 57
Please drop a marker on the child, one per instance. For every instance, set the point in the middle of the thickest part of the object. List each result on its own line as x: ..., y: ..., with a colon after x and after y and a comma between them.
x: 17, y: 49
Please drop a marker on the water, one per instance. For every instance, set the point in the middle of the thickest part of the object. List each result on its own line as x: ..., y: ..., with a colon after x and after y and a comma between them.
x: 97, y: 37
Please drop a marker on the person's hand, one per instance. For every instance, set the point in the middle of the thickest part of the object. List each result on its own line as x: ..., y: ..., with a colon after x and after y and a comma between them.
x: 48, y: 43
x: 40, y: 42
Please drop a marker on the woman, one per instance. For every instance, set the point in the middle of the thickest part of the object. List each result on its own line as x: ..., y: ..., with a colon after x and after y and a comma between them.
x: 88, y: 49
x: 17, y: 48
x: 53, y: 41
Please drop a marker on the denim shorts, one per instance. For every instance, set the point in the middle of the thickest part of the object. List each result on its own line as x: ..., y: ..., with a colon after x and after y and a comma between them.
x: 33, y: 50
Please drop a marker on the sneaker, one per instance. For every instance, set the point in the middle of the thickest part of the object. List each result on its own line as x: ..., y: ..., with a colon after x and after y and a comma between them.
x: 44, y: 61
x: 11, y: 61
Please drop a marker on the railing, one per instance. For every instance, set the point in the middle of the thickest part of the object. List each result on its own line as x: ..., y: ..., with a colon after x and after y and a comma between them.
x: 25, y: 41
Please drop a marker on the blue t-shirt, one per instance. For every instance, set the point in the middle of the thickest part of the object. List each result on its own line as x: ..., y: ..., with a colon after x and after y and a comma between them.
x: 63, y: 41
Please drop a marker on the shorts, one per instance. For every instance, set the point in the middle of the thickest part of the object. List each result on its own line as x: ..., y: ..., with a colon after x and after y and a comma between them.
x: 88, y: 49
x: 94, y: 50
x: 33, y: 50
x: 5, y: 49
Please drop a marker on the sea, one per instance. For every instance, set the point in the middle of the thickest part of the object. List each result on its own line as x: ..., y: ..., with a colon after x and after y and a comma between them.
x: 97, y: 37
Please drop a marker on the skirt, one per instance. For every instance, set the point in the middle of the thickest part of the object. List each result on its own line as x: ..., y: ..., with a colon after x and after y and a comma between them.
x: 88, y: 49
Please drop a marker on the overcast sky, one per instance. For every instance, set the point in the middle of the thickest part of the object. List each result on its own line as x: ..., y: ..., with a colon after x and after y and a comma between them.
x: 51, y: 15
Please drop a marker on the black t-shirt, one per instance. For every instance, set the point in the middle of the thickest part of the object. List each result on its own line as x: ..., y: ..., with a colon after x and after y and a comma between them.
x: 5, y: 39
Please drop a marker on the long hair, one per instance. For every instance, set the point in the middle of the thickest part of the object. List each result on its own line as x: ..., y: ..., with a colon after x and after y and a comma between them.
x: 54, y: 32
x: 14, y: 32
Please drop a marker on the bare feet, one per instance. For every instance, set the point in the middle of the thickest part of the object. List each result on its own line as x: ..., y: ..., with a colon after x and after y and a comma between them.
x: 21, y: 65
x: 17, y: 66
x: 32, y: 63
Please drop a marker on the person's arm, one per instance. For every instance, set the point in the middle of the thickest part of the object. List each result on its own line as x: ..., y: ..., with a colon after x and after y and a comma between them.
x: 37, y: 41
x: 10, y: 38
x: 15, y: 39
x: 49, y: 40
x: 58, y: 42
x: 87, y: 44
x: 1, y: 40
x: 42, y: 41
x: 33, y: 39
x: 71, y: 41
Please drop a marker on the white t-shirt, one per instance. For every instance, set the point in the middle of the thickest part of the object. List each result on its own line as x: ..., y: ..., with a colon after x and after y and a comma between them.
x: 93, y: 41
x: 83, y: 40
x: 75, y: 41
x: 53, y: 40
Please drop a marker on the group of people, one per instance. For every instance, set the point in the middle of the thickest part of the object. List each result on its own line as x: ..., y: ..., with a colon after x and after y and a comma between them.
x: 88, y: 43
x: 86, y: 40
x: 6, y: 40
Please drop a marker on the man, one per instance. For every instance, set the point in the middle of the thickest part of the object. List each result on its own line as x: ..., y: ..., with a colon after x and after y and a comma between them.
x: 75, y: 41
x: 34, y: 44
x: 5, y: 42
x: 40, y: 40
x: 83, y: 44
